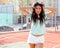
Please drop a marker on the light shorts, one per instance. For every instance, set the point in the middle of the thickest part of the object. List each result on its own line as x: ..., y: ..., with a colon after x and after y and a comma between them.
x: 35, y: 40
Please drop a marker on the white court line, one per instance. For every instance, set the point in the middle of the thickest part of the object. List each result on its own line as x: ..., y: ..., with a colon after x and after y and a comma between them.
x: 9, y: 37
x: 58, y: 45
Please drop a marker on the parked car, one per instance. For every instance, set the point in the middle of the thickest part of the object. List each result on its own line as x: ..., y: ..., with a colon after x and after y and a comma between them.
x: 6, y: 28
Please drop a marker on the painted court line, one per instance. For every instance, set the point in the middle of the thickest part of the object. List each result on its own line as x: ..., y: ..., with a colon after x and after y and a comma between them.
x: 10, y: 36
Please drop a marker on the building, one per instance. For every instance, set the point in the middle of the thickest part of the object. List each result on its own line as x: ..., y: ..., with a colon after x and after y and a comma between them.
x: 6, y: 12
x: 55, y: 18
x: 4, y: 2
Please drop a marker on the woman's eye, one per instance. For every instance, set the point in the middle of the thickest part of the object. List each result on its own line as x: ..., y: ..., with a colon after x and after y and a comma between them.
x: 36, y: 8
x: 39, y: 8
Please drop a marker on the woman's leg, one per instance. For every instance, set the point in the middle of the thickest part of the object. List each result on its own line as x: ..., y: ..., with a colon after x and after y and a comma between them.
x: 41, y: 45
x: 31, y: 45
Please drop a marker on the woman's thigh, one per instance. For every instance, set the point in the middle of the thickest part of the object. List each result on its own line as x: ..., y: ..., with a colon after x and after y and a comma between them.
x: 40, y: 45
x: 31, y: 45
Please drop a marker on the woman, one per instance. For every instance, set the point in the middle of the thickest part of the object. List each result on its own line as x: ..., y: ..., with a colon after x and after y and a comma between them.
x: 38, y: 29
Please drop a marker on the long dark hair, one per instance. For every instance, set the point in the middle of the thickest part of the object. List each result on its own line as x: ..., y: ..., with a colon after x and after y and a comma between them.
x: 42, y: 14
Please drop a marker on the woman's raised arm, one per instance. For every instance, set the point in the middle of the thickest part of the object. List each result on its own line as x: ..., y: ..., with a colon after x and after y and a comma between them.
x: 53, y: 10
x: 24, y: 10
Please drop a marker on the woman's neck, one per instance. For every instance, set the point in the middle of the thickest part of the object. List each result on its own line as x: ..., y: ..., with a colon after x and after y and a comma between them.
x: 38, y: 16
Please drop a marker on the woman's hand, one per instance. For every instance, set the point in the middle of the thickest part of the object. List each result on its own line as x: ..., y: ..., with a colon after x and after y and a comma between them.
x: 53, y: 10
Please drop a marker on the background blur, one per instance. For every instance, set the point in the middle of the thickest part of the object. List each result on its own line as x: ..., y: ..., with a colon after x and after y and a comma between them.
x: 12, y: 19
x: 15, y: 26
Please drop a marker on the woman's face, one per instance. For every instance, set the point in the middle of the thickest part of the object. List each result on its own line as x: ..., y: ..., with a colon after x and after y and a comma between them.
x: 38, y: 10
